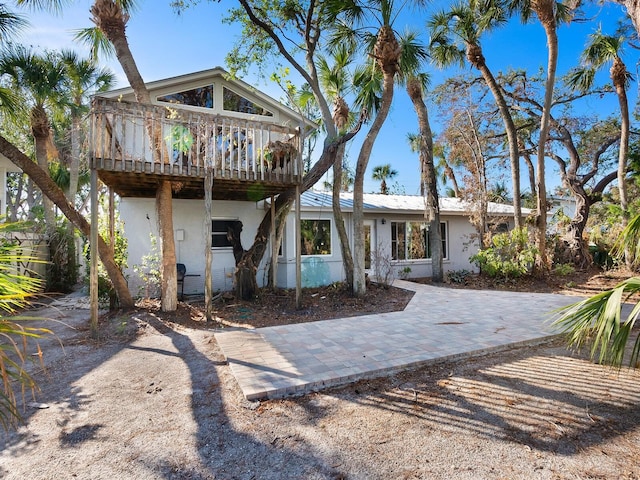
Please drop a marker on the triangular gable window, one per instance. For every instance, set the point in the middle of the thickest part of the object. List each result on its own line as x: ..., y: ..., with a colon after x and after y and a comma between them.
x: 196, y: 97
x: 232, y: 102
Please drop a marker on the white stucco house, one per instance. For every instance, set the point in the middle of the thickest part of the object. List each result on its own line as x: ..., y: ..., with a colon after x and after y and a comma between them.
x: 394, y: 225
x: 250, y: 144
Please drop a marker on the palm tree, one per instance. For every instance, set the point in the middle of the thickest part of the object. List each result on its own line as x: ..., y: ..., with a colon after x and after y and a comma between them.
x: 334, y: 79
x: 498, y: 193
x: 600, y: 320
x: 382, y: 173
x: 447, y: 173
x: 82, y: 77
x: 465, y: 23
x: 10, y: 23
x: 40, y: 177
x: 549, y: 13
x: 375, y: 87
x: 111, y: 17
x: 40, y: 78
x: 601, y: 50
x: 423, y: 144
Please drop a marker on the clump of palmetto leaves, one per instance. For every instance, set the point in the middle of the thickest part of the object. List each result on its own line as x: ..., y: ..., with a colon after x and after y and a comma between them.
x: 17, y: 289
x: 605, y: 322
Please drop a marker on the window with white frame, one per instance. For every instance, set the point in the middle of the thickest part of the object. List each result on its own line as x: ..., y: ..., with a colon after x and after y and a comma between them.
x: 233, y: 102
x: 315, y: 237
x: 410, y: 240
x: 195, y: 97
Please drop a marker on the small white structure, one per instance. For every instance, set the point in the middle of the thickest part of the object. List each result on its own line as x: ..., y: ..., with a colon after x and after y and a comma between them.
x: 6, y: 166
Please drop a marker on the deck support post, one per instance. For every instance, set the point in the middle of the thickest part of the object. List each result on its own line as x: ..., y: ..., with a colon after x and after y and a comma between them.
x: 93, y: 242
x: 274, y: 247
x: 208, y: 255
x: 298, y: 252
x: 112, y: 220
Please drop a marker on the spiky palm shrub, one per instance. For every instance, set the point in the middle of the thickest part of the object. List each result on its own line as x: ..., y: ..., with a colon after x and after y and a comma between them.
x: 17, y: 289
x: 601, y: 321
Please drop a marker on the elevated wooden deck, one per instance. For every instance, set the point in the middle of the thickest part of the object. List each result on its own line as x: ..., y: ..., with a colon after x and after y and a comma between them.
x: 133, y: 147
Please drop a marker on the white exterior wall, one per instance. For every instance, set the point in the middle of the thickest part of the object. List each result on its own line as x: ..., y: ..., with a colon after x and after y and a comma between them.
x: 189, y: 227
x: 460, y: 247
x: 328, y: 267
x: 190, y: 243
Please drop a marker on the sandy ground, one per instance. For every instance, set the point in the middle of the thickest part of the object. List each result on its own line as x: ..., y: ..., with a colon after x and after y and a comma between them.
x: 162, y: 404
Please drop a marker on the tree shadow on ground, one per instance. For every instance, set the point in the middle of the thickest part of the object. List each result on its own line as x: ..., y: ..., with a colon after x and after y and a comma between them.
x: 79, y: 419
x: 218, y: 440
x: 551, y: 403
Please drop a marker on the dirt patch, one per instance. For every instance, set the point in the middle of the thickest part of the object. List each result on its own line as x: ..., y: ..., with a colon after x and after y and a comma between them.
x: 155, y: 399
x: 279, y: 307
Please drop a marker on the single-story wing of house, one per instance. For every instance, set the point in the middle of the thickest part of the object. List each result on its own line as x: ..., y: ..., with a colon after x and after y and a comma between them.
x: 395, y: 236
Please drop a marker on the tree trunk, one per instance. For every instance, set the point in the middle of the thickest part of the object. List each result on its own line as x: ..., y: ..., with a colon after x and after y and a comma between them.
x: 246, y: 283
x: 347, y: 258
x: 40, y: 130
x: 432, y: 201
x: 110, y: 18
x: 532, y: 176
x: 633, y: 9
x: 576, y: 245
x: 285, y: 200
x: 55, y: 194
x: 545, y: 10
x: 618, y: 74
x: 74, y: 175
x: 512, y: 137
x: 168, y: 269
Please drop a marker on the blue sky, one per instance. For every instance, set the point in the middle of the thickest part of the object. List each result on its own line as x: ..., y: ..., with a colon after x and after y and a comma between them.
x: 165, y: 45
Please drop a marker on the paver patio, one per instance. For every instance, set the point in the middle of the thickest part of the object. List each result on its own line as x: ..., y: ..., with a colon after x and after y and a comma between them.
x: 439, y: 323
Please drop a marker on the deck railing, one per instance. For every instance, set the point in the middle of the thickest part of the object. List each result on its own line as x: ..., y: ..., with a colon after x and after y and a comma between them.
x: 158, y: 139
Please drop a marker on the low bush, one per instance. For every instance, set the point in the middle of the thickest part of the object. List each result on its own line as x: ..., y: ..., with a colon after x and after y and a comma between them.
x: 510, y: 255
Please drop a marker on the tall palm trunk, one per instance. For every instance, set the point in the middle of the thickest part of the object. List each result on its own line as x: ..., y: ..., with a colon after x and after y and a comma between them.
x: 74, y: 175
x: 111, y: 19
x: 74, y: 165
x: 545, y: 10
x: 476, y: 58
x: 618, y: 74
x: 347, y: 258
x: 41, y: 132
x: 387, y: 53
x: 432, y: 201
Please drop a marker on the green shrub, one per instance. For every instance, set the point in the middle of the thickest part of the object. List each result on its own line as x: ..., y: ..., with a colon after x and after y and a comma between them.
x: 106, y: 293
x: 62, y: 270
x: 458, y: 276
x: 404, y: 273
x: 510, y: 255
x: 149, y: 271
x: 601, y: 255
x: 564, y: 269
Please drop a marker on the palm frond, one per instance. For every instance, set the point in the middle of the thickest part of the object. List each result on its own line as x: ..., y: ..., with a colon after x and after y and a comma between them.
x: 581, y: 79
x: 598, y: 321
x: 97, y: 42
